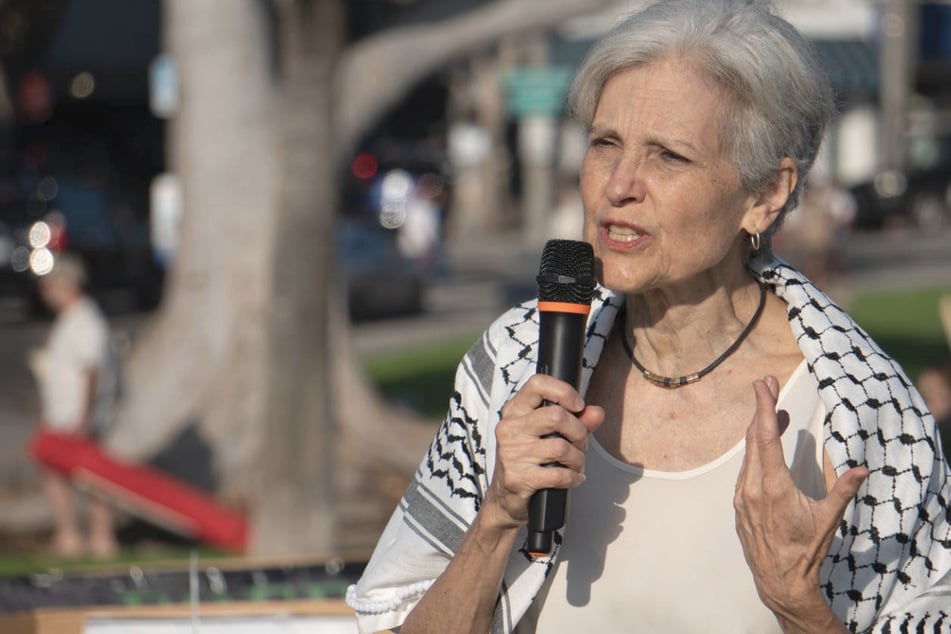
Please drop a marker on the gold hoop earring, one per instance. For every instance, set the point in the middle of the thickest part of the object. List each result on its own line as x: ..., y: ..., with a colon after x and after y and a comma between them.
x: 755, y: 242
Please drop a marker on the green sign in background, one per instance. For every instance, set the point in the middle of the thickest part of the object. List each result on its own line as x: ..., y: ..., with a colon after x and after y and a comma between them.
x: 537, y: 90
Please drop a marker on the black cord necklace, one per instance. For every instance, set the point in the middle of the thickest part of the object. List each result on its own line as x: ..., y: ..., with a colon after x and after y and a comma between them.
x: 671, y: 383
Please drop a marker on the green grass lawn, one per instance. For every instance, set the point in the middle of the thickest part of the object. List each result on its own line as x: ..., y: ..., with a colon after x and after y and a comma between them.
x: 906, y: 324
x: 422, y: 378
x: 32, y: 560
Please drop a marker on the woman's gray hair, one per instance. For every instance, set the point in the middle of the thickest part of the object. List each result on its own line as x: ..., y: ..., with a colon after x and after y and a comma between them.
x: 781, y: 99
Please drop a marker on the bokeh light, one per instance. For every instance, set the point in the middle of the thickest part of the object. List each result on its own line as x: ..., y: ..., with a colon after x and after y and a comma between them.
x: 41, y: 261
x: 394, y: 198
x: 364, y: 166
x: 82, y: 85
x: 40, y: 234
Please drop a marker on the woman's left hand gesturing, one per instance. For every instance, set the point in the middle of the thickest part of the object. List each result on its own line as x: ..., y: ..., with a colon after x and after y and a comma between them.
x: 786, y: 534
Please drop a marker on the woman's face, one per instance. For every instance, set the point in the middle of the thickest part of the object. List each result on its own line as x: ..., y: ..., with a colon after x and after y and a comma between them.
x: 663, y: 204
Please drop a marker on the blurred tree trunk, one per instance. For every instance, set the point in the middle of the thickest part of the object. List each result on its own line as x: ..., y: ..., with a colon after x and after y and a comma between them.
x: 252, y: 339
x: 201, y: 360
x: 293, y: 509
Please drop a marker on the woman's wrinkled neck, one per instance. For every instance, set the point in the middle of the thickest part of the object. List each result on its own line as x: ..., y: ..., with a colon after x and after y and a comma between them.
x: 680, y: 325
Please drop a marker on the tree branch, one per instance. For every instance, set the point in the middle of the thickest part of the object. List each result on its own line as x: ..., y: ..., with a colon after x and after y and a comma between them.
x: 375, y: 73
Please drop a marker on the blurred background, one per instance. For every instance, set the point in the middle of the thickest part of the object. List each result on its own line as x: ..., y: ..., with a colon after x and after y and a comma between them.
x: 298, y: 215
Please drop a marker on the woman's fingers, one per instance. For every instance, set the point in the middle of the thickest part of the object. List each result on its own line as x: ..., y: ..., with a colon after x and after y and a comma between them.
x: 784, y: 533
x: 546, y: 406
x: 548, y: 434
x: 764, y: 458
x: 541, y: 446
x: 542, y: 389
x: 765, y: 427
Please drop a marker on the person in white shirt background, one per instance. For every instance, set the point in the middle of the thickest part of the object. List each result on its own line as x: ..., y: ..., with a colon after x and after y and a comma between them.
x: 75, y: 374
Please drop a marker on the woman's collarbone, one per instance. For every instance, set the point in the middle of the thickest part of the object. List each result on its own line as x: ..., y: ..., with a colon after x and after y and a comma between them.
x: 682, y: 434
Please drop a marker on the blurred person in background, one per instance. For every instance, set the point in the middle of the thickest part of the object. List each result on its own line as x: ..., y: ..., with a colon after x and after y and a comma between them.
x: 816, y: 233
x: 77, y: 377
x: 420, y: 236
x: 934, y: 382
x: 743, y: 458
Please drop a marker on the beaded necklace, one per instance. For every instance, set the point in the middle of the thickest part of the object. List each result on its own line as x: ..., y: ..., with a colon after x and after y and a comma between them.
x: 672, y: 383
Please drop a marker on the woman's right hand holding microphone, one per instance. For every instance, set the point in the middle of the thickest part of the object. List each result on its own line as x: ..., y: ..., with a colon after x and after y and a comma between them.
x: 543, y: 406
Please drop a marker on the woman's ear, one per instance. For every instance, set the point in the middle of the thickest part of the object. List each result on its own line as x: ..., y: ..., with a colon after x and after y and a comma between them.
x: 771, y: 200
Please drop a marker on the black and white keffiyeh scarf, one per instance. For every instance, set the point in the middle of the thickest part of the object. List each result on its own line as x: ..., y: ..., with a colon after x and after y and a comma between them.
x: 887, y: 569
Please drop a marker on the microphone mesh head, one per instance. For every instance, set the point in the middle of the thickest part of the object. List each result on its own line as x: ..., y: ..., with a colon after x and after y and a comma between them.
x: 566, y: 273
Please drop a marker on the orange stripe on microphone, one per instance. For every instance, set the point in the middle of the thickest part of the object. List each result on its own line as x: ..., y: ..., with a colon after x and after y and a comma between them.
x: 564, y: 307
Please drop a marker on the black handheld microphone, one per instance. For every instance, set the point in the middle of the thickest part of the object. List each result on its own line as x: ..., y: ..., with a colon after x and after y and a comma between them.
x: 565, y: 287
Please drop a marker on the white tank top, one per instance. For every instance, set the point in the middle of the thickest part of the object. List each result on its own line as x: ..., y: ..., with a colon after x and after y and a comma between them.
x: 657, y: 551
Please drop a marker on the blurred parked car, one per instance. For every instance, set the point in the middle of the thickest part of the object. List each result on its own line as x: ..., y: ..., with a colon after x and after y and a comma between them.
x: 917, y: 198
x: 41, y: 217
x: 381, y: 282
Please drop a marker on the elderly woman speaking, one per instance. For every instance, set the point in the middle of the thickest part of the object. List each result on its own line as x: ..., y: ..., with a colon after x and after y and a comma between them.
x: 742, y: 457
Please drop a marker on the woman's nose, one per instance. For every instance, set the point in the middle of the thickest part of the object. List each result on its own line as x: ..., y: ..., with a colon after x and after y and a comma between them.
x: 625, y: 184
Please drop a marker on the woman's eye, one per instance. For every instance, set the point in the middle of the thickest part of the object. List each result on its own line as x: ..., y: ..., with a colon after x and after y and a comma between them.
x: 673, y: 157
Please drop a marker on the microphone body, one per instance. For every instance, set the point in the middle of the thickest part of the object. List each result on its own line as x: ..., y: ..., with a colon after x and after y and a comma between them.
x: 565, y: 285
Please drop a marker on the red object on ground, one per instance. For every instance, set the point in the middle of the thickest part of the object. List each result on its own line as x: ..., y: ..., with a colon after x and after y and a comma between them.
x: 143, y: 490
